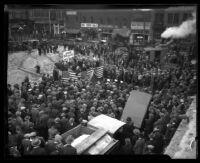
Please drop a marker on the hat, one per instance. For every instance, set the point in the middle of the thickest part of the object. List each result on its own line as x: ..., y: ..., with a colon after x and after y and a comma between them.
x: 116, y: 80
x: 22, y: 107
x: 40, y: 96
x: 27, y: 135
x: 63, y: 115
x: 64, y: 108
x: 18, y: 113
x: 65, y: 92
x: 27, y: 117
x: 29, y: 90
x: 36, y: 142
x: 57, y: 120
x: 128, y: 119
x: 32, y: 134
x: 58, y: 138
x: 121, y: 81
x: 108, y: 80
x: 136, y: 131
x: 150, y: 146
x: 156, y: 129
x: 69, y: 139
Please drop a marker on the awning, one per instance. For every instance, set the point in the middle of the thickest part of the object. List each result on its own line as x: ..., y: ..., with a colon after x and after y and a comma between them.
x: 121, y: 32
x: 72, y: 31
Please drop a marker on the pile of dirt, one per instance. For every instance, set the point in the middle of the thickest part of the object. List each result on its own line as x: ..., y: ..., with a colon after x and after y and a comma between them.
x: 17, y: 76
x: 30, y: 63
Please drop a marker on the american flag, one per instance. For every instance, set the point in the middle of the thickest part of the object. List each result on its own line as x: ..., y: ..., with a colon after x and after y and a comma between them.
x: 99, y: 72
x: 66, y: 75
x: 90, y: 73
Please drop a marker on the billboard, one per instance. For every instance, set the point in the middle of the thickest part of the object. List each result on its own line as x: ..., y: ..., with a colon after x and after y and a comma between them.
x: 71, y: 13
x: 140, y: 25
x: 136, y: 107
x: 89, y: 25
x: 67, y: 55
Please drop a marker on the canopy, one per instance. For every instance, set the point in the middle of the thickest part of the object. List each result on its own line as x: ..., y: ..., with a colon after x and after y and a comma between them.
x: 106, y: 122
x: 72, y: 31
x: 121, y: 32
x: 136, y: 107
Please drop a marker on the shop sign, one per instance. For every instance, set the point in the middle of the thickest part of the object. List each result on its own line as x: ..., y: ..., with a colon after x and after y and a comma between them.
x: 89, y: 25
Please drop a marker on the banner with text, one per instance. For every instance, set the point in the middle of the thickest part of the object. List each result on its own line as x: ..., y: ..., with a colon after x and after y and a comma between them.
x: 67, y: 55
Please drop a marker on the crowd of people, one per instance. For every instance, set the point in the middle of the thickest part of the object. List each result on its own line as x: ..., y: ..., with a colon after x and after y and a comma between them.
x: 38, y: 114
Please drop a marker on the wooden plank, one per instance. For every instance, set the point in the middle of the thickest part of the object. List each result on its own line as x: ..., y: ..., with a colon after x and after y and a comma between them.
x: 28, y: 71
x: 90, y: 140
x: 110, y: 147
x: 74, y: 132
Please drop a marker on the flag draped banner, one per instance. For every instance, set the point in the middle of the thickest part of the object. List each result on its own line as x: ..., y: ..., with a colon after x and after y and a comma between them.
x: 99, y: 72
x: 88, y: 75
x: 65, y: 75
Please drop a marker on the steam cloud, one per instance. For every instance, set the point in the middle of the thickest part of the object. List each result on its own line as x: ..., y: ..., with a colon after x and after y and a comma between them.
x: 186, y: 28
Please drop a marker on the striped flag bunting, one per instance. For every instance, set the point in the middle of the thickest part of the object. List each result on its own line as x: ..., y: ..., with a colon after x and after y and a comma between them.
x: 99, y: 72
x: 83, y: 74
x: 65, y: 75
x: 90, y: 73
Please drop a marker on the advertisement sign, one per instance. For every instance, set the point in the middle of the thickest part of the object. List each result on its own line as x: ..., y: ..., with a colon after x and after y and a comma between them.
x: 140, y: 25
x: 106, y: 26
x: 71, y: 12
x: 67, y: 55
x: 89, y: 25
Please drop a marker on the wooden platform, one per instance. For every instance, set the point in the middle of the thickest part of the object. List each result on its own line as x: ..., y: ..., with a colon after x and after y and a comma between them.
x: 88, y: 142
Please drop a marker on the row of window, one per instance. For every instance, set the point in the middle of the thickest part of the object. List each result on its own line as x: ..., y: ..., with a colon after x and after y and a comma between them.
x: 172, y: 18
x: 45, y: 13
x: 84, y: 19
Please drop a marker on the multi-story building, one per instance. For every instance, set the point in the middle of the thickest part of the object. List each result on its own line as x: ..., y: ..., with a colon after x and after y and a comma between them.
x: 106, y: 19
x: 141, y: 26
x: 149, y: 24
x: 172, y: 16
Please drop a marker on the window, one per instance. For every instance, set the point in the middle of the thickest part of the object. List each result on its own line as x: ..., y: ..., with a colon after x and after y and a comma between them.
x: 101, y: 20
x: 125, y: 21
x: 108, y: 20
x: 185, y: 16
x: 170, y: 18
x: 92, y: 19
x: 159, y: 17
x: 176, y: 18
x: 84, y: 19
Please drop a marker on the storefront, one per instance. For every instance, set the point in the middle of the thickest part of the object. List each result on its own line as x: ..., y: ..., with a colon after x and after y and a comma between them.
x: 105, y: 31
x: 140, y: 32
x: 89, y: 31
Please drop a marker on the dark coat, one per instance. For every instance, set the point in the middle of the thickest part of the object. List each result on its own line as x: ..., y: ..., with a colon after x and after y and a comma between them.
x: 139, y: 146
x: 38, y: 151
x: 68, y: 150
x: 128, y: 130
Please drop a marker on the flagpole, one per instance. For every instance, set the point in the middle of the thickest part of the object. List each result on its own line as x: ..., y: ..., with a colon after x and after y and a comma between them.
x: 50, y: 21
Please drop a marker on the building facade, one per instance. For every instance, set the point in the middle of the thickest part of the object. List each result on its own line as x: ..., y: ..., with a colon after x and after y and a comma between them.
x: 149, y: 24
x: 170, y: 17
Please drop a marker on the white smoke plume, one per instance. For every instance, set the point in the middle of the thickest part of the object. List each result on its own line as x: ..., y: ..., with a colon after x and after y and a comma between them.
x: 186, y: 28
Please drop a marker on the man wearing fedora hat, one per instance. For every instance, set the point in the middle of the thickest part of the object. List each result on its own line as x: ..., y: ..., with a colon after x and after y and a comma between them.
x: 36, y: 148
x: 68, y: 149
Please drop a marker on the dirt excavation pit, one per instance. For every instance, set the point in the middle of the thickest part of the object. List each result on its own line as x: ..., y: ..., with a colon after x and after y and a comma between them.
x: 17, y: 76
x: 30, y: 63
